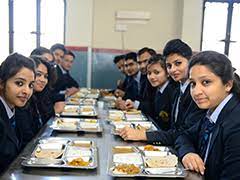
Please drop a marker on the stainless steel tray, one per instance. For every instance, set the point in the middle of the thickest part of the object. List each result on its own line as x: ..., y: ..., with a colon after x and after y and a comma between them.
x: 148, y: 125
x: 144, y: 171
x: 76, y: 125
x: 66, y: 158
x: 118, y: 115
x: 79, y: 111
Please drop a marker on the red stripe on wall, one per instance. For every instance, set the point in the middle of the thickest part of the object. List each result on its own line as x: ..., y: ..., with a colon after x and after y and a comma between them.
x: 77, y: 48
x: 98, y: 50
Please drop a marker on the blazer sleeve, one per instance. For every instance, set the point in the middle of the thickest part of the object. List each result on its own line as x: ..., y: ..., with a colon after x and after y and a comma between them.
x: 169, y: 137
x: 231, y: 156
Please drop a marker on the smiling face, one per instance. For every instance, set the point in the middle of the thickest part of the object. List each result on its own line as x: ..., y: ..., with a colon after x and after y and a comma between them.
x: 177, y: 67
x: 131, y: 67
x: 156, y: 75
x: 207, y: 89
x: 41, y: 78
x: 143, y: 61
x: 19, y: 88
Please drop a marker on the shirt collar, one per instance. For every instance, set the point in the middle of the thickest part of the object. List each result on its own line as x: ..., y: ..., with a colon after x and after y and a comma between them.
x: 184, y: 86
x: 10, y: 112
x: 163, y: 87
x: 214, y: 115
x: 137, y: 77
x: 63, y: 71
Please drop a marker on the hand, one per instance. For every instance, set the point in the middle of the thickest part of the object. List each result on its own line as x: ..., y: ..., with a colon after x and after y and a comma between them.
x: 119, y: 93
x: 59, y: 107
x: 71, y: 91
x: 194, y: 162
x: 120, y: 104
x: 129, y: 104
x: 128, y: 133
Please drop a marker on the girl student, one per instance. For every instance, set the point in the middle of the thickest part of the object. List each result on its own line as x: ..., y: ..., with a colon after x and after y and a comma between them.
x: 212, y: 147
x: 160, y: 107
x: 185, y: 112
x: 40, y: 108
x: 17, y: 75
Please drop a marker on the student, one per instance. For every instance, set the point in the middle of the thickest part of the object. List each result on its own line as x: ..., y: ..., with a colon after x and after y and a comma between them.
x: 132, y: 90
x: 39, y: 108
x: 58, y: 51
x: 65, y: 83
x: 44, y: 52
x: 146, y: 90
x: 17, y: 74
x: 119, y: 62
x: 212, y: 147
x: 177, y: 54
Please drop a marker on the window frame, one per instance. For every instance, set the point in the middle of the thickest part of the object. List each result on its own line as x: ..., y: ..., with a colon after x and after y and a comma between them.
x: 38, y: 24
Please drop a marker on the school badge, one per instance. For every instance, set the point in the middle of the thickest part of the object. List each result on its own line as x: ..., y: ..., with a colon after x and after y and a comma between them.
x: 164, y: 116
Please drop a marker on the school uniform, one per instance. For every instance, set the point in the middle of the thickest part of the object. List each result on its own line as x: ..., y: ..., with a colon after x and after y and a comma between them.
x: 32, y: 120
x: 64, y: 80
x: 221, y: 152
x: 163, y: 105
x: 132, y: 90
x: 11, y: 140
x: 185, y: 113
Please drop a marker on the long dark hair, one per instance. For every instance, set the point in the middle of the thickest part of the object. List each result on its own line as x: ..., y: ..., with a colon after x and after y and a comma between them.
x: 13, y: 64
x: 220, y: 65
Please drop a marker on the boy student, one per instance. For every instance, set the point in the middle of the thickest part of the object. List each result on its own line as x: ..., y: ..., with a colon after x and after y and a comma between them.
x: 65, y: 82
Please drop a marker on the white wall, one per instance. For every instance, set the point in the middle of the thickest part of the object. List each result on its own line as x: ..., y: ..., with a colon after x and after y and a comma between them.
x: 79, y: 21
x: 91, y: 23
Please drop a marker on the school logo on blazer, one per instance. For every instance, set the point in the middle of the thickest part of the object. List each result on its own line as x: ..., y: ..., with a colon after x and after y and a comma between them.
x: 164, y: 116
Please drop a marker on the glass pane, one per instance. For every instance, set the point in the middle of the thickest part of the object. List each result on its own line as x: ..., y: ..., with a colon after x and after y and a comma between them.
x: 52, y: 24
x: 235, y: 36
x: 24, y: 25
x: 213, y: 29
x: 4, y: 36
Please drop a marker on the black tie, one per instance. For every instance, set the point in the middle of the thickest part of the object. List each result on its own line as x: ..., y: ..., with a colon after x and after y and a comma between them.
x: 206, y: 129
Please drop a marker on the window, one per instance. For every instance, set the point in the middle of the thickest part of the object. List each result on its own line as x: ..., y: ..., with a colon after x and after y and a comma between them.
x: 29, y: 24
x: 4, y: 24
x: 224, y: 35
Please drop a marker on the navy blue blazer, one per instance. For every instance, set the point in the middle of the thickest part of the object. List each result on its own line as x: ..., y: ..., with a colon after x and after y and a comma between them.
x: 64, y: 81
x: 188, y: 115
x: 11, y: 140
x: 223, y: 160
x: 131, y: 90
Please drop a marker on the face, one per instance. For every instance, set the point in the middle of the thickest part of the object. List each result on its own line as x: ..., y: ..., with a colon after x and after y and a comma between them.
x: 48, y: 56
x: 207, y: 89
x: 143, y: 61
x: 131, y: 67
x: 19, y: 88
x: 120, y: 66
x: 67, y: 62
x: 41, y: 78
x: 177, y: 67
x: 157, y: 76
x: 58, y: 55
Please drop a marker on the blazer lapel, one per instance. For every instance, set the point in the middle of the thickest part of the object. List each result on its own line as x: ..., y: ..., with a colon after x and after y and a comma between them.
x: 223, y: 115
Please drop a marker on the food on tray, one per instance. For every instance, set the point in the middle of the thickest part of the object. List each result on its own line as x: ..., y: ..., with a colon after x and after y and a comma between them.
x: 150, y: 148
x: 89, y: 125
x: 122, y: 149
x: 73, y: 100
x: 48, y: 153
x: 132, y: 111
x: 128, y: 158
x: 126, y: 169
x: 66, y: 124
x: 73, y: 151
x: 161, y: 161
x: 71, y: 109
x: 86, y: 109
x: 78, y: 162
x: 82, y: 143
